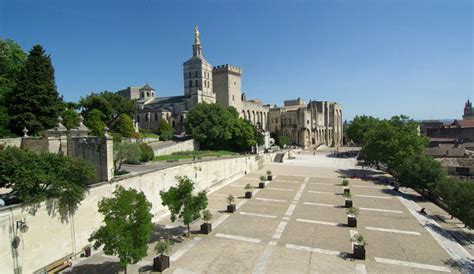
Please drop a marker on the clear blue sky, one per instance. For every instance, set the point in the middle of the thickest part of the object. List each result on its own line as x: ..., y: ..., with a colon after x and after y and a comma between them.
x: 378, y: 57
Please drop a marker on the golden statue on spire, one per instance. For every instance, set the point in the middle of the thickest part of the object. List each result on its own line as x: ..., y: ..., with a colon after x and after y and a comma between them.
x: 196, y: 35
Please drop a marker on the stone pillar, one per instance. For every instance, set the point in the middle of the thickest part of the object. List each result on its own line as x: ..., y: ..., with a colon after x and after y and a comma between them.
x: 106, y: 157
x: 57, y: 138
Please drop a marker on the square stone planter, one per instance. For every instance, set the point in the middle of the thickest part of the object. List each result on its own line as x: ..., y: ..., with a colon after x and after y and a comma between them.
x: 358, y: 251
x: 161, y: 263
x: 351, y: 221
x: 347, y: 190
x: 261, y: 185
x: 348, y: 203
x: 206, y: 228
x: 248, y: 194
x: 270, y: 177
x: 231, y: 208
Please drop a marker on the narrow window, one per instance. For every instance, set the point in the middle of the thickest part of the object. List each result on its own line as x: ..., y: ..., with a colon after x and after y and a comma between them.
x: 190, y: 83
x: 196, y: 74
x: 190, y: 75
x: 197, y: 83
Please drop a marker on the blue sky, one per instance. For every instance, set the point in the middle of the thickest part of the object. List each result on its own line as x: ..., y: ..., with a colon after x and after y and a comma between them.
x: 379, y: 58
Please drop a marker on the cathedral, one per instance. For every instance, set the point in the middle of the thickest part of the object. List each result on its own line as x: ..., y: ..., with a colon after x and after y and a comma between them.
x: 306, y: 125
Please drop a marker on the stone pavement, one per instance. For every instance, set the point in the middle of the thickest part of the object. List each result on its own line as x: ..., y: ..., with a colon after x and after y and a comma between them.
x: 297, y: 225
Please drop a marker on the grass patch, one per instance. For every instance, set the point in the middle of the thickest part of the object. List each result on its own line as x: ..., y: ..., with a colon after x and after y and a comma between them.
x: 148, y: 135
x: 193, y: 154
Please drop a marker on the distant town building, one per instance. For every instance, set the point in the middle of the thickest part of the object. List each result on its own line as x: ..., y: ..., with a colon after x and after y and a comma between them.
x: 468, y: 111
x: 316, y: 123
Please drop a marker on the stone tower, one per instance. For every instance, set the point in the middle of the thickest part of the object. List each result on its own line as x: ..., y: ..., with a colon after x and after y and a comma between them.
x: 198, y: 75
x: 227, y: 86
x: 468, y: 111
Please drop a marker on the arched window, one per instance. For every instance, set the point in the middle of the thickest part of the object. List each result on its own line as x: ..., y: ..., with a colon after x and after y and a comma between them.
x: 141, y: 94
x: 147, y: 94
x: 173, y: 124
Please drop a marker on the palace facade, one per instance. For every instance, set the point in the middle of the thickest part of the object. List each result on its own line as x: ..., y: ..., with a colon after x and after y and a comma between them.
x: 315, y: 123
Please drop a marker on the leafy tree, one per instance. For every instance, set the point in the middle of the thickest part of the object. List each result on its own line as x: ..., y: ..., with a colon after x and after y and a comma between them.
x: 419, y: 171
x: 124, y: 126
x: 97, y: 102
x: 182, y: 203
x: 217, y: 127
x: 165, y: 130
x: 94, y: 121
x: 127, y: 226
x: 130, y: 153
x: 12, y: 61
x: 357, y: 129
x: 283, y: 140
x: 70, y: 118
x: 112, y: 105
x: 35, y: 103
x: 243, y: 135
x: 35, y: 177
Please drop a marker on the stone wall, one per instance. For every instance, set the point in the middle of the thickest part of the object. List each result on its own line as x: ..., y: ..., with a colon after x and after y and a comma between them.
x: 51, y: 236
x: 16, y: 142
x: 188, y: 145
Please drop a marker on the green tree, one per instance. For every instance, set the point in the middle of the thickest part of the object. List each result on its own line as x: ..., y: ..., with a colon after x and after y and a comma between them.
x: 112, y: 105
x: 165, y: 130
x: 35, y: 177
x: 12, y: 61
x: 419, y: 171
x: 243, y: 135
x: 211, y: 124
x: 70, y: 118
x: 283, y: 140
x: 130, y: 153
x: 94, y: 121
x: 35, y: 103
x: 147, y: 153
x: 217, y: 127
x: 182, y: 203
x: 127, y: 226
x: 124, y: 125
x: 357, y: 129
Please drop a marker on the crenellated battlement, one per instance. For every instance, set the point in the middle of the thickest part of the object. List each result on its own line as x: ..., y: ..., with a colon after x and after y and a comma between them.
x: 227, y: 68
x: 296, y: 102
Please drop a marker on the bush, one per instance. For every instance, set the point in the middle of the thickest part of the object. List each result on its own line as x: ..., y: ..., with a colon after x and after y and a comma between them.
x: 147, y: 153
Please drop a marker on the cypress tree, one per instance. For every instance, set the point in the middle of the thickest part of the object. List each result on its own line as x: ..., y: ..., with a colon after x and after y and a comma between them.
x: 35, y: 102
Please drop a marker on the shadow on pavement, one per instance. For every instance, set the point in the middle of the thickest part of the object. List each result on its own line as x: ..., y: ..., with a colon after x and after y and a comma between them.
x: 104, y: 268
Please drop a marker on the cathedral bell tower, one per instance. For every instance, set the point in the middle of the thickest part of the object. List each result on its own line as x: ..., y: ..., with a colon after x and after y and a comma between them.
x: 197, y: 74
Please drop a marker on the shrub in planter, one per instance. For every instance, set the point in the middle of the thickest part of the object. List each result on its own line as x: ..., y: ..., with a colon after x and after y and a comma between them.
x: 269, y: 175
x: 348, y: 200
x: 262, y: 182
x: 230, y: 204
x: 358, y: 246
x: 345, y: 182
x: 162, y: 262
x: 346, y: 190
x: 206, y: 227
x: 352, y: 216
x: 248, y: 193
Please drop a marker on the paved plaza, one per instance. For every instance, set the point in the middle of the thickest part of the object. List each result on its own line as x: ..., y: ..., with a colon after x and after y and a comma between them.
x: 297, y: 224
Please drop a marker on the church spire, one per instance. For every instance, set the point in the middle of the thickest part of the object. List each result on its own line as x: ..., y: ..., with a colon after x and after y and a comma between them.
x: 197, y: 49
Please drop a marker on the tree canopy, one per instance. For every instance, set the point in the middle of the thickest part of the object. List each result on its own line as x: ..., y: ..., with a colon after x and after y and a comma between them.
x: 182, y: 203
x: 396, y: 145
x: 34, y: 102
x: 12, y: 61
x: 217, y: 127
x: 165, y: 130
x: 127, y: 226
x: 35, y: 177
